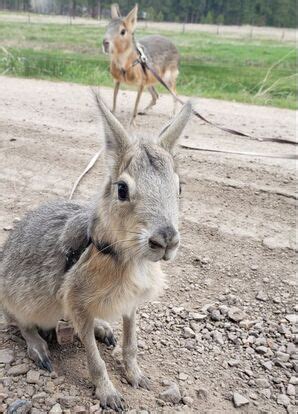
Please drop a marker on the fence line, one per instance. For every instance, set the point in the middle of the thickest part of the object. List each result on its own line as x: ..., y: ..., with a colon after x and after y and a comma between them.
x: 246, y: 31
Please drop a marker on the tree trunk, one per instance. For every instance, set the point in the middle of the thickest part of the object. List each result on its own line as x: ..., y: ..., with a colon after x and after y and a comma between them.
x: 99, y: 9
x: 74, y: 8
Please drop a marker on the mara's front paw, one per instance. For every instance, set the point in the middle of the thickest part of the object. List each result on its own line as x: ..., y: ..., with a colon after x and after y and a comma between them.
x: 104, y: 333
x: 109, y: 397
x: 136, y: 378
x: 39, y: 353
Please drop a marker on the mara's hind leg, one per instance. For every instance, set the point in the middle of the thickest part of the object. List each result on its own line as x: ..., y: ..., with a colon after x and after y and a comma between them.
x: 172, y: 77
x: 37, y: 348
x: 104, y: 333
x: 154, y: 97
x: 116, y: 90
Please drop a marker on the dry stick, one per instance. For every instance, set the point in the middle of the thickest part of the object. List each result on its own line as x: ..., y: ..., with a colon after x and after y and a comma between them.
x: 254, y: 187
x: 249, y: 154
x: 86, y: 170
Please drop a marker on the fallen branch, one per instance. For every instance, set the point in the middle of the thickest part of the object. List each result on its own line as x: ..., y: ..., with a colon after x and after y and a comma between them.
x: 86, y: 170
x: 247, y: 154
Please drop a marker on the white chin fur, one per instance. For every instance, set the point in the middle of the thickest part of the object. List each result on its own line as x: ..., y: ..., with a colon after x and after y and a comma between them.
x: 170, y: 255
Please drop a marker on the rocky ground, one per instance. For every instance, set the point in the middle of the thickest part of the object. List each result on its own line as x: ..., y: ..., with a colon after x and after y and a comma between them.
x: 223, y: 338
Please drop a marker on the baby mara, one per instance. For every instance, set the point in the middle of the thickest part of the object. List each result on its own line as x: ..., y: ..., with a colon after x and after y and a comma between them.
x: 121, y: 237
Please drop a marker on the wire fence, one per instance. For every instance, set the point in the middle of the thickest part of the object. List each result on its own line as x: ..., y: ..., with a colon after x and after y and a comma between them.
x: 247, y: 31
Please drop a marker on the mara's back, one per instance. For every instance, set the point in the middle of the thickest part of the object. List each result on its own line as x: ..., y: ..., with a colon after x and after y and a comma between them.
x: 34, y: 256
x: 161, y: 51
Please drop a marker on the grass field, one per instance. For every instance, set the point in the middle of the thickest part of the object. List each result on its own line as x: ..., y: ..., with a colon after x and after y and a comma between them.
x: 253, y: 71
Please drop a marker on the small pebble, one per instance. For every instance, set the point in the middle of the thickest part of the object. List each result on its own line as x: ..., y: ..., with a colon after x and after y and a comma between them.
x: 182, y: 376
x: 239, y: 400
x: 283, y: 399
x: 261, y: 295
x: 33, y: 377
x: 6, y: 356
x: 56, y: 409
x: 171, y: 394
x: 236, y: 314
x: 18, y: 370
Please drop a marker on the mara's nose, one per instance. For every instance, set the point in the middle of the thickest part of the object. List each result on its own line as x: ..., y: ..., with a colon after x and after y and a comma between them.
x: 164, y: 238
x: 106, y: 44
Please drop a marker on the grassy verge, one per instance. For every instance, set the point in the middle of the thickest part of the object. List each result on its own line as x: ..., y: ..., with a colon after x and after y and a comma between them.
x: 210, y: 66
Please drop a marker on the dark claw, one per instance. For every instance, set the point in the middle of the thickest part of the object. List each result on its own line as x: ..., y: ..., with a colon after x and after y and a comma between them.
x: 46, y: 364
x: 113, y: 341
x: 118, y: 407
x: 106, y: 341
x: 110, y: 341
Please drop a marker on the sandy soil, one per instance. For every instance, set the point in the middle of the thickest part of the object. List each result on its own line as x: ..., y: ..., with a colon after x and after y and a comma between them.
x: 237, y: 226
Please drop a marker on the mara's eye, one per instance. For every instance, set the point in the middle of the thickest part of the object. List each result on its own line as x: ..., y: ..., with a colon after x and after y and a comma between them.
x: 180, y: 188
x: 123, y: 31
x: 123, y: 194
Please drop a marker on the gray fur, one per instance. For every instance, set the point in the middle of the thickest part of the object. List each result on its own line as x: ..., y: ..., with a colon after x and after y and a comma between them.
x: 36, y: 290
x: 160, y: 51
x: 34, y: 256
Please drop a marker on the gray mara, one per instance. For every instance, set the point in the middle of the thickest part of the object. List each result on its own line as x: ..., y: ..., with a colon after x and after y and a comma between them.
x: 120, y: 44
x: 119, y: 240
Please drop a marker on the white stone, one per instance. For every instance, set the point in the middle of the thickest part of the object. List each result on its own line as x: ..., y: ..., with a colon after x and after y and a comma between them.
x: 171, y: 394
x: 239, y: 400
x: 182, y: 376
x: 56, y: 409
x: 283, y: 399
x: 293, y: 318
x: 291, y: 389
x: 6, y: 356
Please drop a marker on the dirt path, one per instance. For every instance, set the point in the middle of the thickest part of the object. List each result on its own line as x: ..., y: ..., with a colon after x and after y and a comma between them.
x: 238, y: 239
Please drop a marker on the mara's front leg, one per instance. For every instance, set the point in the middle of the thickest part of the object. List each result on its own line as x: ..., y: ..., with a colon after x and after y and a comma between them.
x: 105, y: 390
x: 130, y: 347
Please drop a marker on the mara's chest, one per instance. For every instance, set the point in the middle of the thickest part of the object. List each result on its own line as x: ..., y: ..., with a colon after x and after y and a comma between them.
x: 108, y: 290
x: 132, y: 75
x: 130, y: 291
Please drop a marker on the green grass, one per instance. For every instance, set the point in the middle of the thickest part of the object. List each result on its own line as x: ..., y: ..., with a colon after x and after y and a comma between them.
x: 211, y: 66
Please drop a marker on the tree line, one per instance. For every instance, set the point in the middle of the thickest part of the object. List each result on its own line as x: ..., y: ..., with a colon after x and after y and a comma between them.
x: 278, y: 13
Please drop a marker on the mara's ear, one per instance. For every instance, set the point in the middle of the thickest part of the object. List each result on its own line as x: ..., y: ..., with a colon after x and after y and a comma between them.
x: 170, y: 134
x: 115, y: 11
x: 116, y: 138
x: 130, y: 20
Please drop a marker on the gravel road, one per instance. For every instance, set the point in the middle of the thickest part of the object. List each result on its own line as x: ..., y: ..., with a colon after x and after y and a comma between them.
x: 222, y: 337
